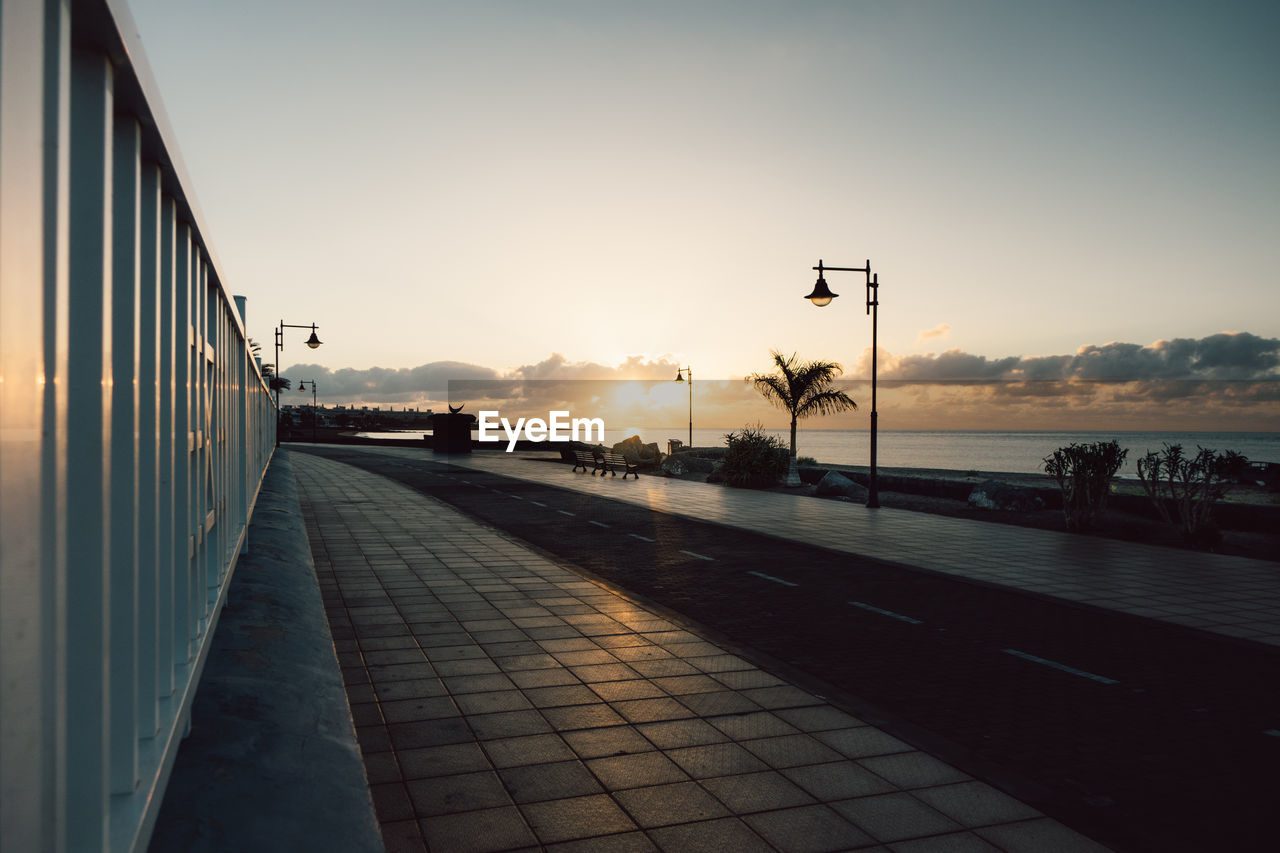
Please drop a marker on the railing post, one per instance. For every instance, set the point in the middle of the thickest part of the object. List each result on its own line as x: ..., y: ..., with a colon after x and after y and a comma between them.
x: 149, y: 428
x: 123, y: 625
x: 171, y: 444
x: 88, y: 450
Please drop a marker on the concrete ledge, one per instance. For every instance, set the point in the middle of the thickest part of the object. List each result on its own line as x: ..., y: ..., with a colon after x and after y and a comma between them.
x: 272, y: 761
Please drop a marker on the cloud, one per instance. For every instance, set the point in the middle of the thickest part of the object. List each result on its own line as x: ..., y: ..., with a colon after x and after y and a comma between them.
x: 384, y: 384
x: 1224, y: 356
x: 550, y: 381
x: 939, y: 331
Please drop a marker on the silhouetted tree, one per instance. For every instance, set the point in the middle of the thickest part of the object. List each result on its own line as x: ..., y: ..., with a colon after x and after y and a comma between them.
x: 803, y: 389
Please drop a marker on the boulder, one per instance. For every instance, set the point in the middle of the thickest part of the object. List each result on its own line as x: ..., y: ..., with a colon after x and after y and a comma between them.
x: 1004, y: 497
x: 716, y: 474
x: 637, y: 451
x: 836, y: 485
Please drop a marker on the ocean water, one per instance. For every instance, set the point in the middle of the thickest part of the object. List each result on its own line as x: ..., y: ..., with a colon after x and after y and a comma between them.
x: 1013, y: 452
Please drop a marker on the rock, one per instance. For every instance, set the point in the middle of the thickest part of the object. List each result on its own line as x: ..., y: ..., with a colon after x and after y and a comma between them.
x: 837, y: 485
x: 1004, y: 497
x: 637, y: 451
x: 674, y: 466
x: 716, y: 475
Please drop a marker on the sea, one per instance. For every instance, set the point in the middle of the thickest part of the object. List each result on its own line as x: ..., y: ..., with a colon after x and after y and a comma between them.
x: 1021, y: 452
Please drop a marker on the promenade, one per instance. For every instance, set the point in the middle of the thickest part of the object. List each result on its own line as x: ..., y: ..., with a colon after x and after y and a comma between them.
x: 1232, y: 596
x: 504, y: 702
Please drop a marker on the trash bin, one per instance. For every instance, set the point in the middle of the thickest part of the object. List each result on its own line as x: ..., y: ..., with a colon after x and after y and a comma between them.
x: 451, y: 432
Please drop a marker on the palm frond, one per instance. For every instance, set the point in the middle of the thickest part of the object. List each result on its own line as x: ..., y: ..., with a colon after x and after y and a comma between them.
x: 773, y: 388
x: 826, y: 402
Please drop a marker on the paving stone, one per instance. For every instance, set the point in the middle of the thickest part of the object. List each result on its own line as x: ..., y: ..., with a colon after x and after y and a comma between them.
x: 895, y: 817
x: 391, y: 801
x: 673, y: 734
x: 478, y: 831
x: 663, y: 805
x: 716, y: 759
x: 578, y: 817
x: 952, y: 842
x: 533, y: 749
x: 862, y: 742
x: 615, y: 740
x: 633, y: 771
x: 837, y: 781
x: 490, y: 703
x: 403, y: 836
x: 462, y: 792
x: 975, y: 804
x: 572, y: 717
x: 409, y: 710
x: 652, y: 710
x: 754, y: 792
x: 508, y: 724
x: 441, y: 760
x: 561, y: 696
x: 626, y: 842
x: 807, y: 829
x: 790, y: 751
x: 1033, y: 836
x: 713, y: 836
x: 913, y: 770
x: 538, y: 782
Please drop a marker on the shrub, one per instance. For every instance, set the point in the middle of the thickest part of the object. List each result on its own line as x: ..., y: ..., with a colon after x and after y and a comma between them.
x: 1190, y: 485
x: 1084, y: 473
x: 754, y: 459
x: 806, y: 462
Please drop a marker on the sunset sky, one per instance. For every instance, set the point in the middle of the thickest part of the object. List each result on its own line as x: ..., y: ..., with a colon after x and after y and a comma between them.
x: 1054, y: 191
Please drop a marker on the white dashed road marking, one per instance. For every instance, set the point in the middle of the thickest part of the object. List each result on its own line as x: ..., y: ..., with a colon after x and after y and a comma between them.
x: 699, y: 556
x: 1061, y: 667
x: 641, y: 538
x: 598, y: 523
x: 888, y: 613
x: 772, y: 578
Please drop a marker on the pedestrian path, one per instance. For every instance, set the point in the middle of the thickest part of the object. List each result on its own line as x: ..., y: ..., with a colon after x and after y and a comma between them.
x: 1233, y: 596
x: 503, y: 702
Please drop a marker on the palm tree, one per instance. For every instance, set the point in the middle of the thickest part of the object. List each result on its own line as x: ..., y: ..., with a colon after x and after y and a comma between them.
x: 803, y: 389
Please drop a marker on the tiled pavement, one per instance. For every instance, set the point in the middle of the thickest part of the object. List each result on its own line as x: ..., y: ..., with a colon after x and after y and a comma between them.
x: 1233, y: 596
x: 503, y: 702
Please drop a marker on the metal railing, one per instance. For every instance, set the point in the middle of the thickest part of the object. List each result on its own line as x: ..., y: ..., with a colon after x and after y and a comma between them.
x: 135, y: 429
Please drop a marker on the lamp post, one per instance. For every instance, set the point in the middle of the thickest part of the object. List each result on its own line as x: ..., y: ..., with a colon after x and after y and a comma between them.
x: 312, y: 342
x: 822, y: 296
x: 680, y: 378
x: 302, y: 386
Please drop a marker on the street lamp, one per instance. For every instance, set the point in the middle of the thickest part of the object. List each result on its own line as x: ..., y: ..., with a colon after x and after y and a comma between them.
x: 680, y: 378
x: 822, y: 296
x: 302, y: 387
x: 312, y: 342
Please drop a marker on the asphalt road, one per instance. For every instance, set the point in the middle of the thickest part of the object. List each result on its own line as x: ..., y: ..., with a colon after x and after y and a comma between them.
x: 1146, y: 736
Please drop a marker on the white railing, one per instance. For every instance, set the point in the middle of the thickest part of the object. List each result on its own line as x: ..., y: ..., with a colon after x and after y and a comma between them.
x: 135, y: 429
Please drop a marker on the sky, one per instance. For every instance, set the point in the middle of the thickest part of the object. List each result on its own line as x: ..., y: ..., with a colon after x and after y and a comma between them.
x: 605, y: 189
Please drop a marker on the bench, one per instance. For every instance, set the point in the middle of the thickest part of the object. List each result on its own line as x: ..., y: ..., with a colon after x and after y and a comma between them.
x: 615, y: 462
x: 583, y: 458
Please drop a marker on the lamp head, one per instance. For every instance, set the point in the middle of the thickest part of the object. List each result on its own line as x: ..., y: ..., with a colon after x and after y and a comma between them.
x: 313, y: 341
x: 821, y: 294
x: 679, y: 375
